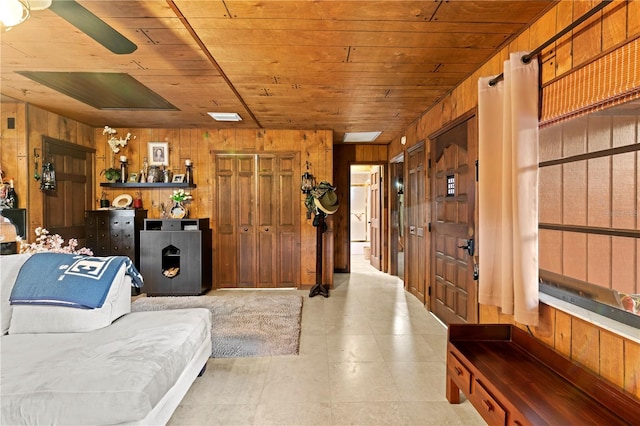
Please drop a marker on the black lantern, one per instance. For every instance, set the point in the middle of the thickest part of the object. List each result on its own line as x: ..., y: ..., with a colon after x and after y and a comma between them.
x: 308, y: 181
x: 48, y: 182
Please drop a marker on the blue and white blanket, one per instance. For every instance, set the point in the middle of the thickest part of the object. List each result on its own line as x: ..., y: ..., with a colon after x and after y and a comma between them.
x: 69, y: 280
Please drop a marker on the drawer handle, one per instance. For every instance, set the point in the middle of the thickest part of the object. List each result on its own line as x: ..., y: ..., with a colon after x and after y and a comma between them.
x: 266, y: 229
x: 458, y: 371
x: 488, y: 404
x: 246, y: 229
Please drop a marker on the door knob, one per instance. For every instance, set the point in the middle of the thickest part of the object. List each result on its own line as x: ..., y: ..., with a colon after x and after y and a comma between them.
x: 468, y: 246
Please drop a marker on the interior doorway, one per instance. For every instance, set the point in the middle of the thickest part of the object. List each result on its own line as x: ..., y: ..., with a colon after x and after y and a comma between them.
x: 365, y: 213
x: 398, y: 220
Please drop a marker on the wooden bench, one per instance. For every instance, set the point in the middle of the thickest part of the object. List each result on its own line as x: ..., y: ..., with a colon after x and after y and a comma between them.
x: 511, y: 378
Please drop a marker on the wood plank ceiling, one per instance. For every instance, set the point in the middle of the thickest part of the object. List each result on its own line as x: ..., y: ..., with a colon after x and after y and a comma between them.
x: 341, y: 65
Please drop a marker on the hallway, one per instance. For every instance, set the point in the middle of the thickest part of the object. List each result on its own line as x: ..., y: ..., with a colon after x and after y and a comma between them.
x: 370, y: 354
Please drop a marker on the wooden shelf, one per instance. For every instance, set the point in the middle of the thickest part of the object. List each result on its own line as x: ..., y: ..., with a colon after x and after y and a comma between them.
x: 147, y: 185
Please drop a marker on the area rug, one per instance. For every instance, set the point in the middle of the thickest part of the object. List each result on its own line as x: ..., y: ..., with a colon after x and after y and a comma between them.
x: 242, y: 325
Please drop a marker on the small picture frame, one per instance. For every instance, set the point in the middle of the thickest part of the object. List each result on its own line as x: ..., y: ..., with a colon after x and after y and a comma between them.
x: 178, y: 178
x: 158, y: 153
x: 133, y: 178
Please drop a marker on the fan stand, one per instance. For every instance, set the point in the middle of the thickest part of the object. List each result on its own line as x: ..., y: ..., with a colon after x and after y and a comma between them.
x: 319, y: 288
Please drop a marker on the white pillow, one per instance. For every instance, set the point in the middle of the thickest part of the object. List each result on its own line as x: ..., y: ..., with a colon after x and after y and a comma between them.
x: 9, y: 267
x: 62, y: 319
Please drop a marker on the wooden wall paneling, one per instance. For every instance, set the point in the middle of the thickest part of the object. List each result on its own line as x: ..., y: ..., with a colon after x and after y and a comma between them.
x: 587, y: 37
x: 585, y: 344
x: 344, y: 154
x: 36, y: 126
x: 631, y: 370
x: 488, y: 314
x: 633, y: 25
x: 613, y: 32
x: 563, y: 333
x: 564, y: 18
x: 611, y: 351
x: 544, y: 331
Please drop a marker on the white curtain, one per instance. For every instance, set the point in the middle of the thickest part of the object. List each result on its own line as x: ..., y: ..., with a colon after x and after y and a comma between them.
x: 508, y: 190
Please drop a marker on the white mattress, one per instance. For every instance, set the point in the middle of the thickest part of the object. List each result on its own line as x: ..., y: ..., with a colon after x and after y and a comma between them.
x: 116, y: 374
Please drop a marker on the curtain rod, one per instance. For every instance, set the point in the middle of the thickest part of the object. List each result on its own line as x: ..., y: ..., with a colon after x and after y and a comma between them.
x: 527, y: 58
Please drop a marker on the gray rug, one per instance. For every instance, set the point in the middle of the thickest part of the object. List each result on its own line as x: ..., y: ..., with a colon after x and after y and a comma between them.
x: 242, y: 325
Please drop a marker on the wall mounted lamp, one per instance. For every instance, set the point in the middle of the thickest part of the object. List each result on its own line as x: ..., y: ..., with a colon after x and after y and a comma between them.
x: 48, y: 182
x: 308, y: 181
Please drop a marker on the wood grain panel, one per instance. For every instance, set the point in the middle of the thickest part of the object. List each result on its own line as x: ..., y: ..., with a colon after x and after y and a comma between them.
x: 585, y: 344
x: 563, y: 333
x: 586, y: 40
x: 631, y: 368
x: 611, y: 350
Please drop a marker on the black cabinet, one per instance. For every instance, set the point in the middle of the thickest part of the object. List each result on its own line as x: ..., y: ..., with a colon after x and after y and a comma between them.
x: 115, y: 232
x: 175, y: 257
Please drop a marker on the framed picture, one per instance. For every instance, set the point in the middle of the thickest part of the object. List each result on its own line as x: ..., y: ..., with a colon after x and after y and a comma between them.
x: 133, y: 177
x: 158, y: 153
x: 178, y: 178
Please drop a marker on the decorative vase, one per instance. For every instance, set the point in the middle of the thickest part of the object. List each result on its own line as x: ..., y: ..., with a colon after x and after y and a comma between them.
x: 178, y: 211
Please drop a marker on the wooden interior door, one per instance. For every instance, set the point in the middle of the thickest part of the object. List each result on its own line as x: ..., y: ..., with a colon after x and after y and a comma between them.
x: 64, y: 208
x: 375, y: 230
x: 415, y: 202
x: 258, y: 226
x: 267, y: 226
x: 225, y: 215
x: 455, y: 299
x: 244, y: 208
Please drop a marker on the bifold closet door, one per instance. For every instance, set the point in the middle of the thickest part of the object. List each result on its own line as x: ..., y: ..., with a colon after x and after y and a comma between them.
x: 257, y: 238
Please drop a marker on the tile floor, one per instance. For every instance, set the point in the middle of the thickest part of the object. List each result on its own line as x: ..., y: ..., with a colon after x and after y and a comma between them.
x: 370, y: 354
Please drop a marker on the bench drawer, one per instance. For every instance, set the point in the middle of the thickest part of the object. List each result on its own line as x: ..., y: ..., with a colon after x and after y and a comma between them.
x: 487, y: 406
x: 459, y: 373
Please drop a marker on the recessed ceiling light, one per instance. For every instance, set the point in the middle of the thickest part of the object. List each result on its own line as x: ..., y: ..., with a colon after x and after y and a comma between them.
x: 360, y: 136
x: 225, y: 116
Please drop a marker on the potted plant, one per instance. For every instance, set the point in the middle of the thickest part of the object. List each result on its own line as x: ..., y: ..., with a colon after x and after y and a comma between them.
x: 111, y: 174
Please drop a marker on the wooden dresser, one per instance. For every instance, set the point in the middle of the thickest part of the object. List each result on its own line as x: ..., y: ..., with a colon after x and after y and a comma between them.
x: 115, y: 232
x: 511, y: 378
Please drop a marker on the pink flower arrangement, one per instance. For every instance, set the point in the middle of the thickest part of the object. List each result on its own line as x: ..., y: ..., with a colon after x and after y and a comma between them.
x: 52, y: 244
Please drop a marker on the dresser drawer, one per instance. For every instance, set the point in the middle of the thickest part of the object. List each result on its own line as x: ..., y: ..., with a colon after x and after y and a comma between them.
x: 486, y: 404
x: 459, y: 373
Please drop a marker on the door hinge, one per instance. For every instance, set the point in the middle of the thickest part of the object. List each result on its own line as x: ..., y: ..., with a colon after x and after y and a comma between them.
x: 429, y: 291
x: 429, y: 227
x: 477, y: 170
x: 429, y: 163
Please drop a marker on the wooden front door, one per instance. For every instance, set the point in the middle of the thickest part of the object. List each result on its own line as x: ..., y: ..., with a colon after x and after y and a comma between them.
x: 257, y: 219
x: 64, y: 208
x: 374, y: 215
x: 453, y: 180
x: 415, y: 201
